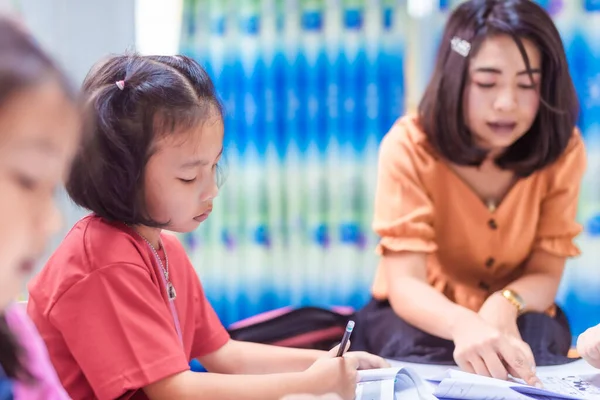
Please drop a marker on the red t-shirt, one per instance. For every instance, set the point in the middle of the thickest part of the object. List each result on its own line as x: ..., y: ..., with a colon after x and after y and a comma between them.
x: 102, y: 309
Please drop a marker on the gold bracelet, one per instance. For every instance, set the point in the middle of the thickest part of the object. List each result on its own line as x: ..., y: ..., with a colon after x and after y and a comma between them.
x: 514, y: 299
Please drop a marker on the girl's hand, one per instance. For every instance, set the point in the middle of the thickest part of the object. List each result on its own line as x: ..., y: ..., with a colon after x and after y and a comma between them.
x: 331, y: 374
x: 588, y: 346
x: 367, y: 360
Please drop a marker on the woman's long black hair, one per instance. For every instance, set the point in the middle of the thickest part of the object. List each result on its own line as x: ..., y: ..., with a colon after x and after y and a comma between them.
x: 23, y: 64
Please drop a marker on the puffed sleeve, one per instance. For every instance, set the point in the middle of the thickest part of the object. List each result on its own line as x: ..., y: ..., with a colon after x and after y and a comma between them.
x: 557, y: 226
x: 403, y: 215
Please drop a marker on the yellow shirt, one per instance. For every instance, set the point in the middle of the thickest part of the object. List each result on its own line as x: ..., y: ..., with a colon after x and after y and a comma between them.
x: 421, y: 205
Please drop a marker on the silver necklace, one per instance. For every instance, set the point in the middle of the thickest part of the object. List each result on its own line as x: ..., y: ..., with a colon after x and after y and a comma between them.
x: 165, y: 269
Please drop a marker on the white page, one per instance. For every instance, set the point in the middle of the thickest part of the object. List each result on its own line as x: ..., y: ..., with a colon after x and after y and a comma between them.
x: 430, y: 371
x: 467, y: 381
x: 375, y: 390
x: 384, y: 383
x: 578, y: 376
x: 475, y: 390
x: 472, y: 378
x: 426, y: 371
x: 569, y: 386
x: 574, y: 380
x: 379, y: 374
x: 377, y: 384
x: 462, y: 385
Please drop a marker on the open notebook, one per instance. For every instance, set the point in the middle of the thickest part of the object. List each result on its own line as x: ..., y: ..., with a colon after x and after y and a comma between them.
x: 400, y: 383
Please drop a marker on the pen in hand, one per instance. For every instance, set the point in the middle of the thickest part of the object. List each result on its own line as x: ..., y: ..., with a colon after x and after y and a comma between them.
x: 345, y: 338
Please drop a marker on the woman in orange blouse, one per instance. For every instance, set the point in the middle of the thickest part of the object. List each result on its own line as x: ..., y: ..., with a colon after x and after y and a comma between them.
x: 476, y: 201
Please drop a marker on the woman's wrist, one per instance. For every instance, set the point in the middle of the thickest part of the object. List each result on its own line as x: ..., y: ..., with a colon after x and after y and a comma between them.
x: 497, y: 306
x: 514, y: 299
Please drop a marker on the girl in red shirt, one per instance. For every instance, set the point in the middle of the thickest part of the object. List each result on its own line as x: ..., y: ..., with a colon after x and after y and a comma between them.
x: 119, y: 304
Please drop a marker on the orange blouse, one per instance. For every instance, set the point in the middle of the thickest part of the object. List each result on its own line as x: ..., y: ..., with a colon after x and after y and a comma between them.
x: 421, y: 205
